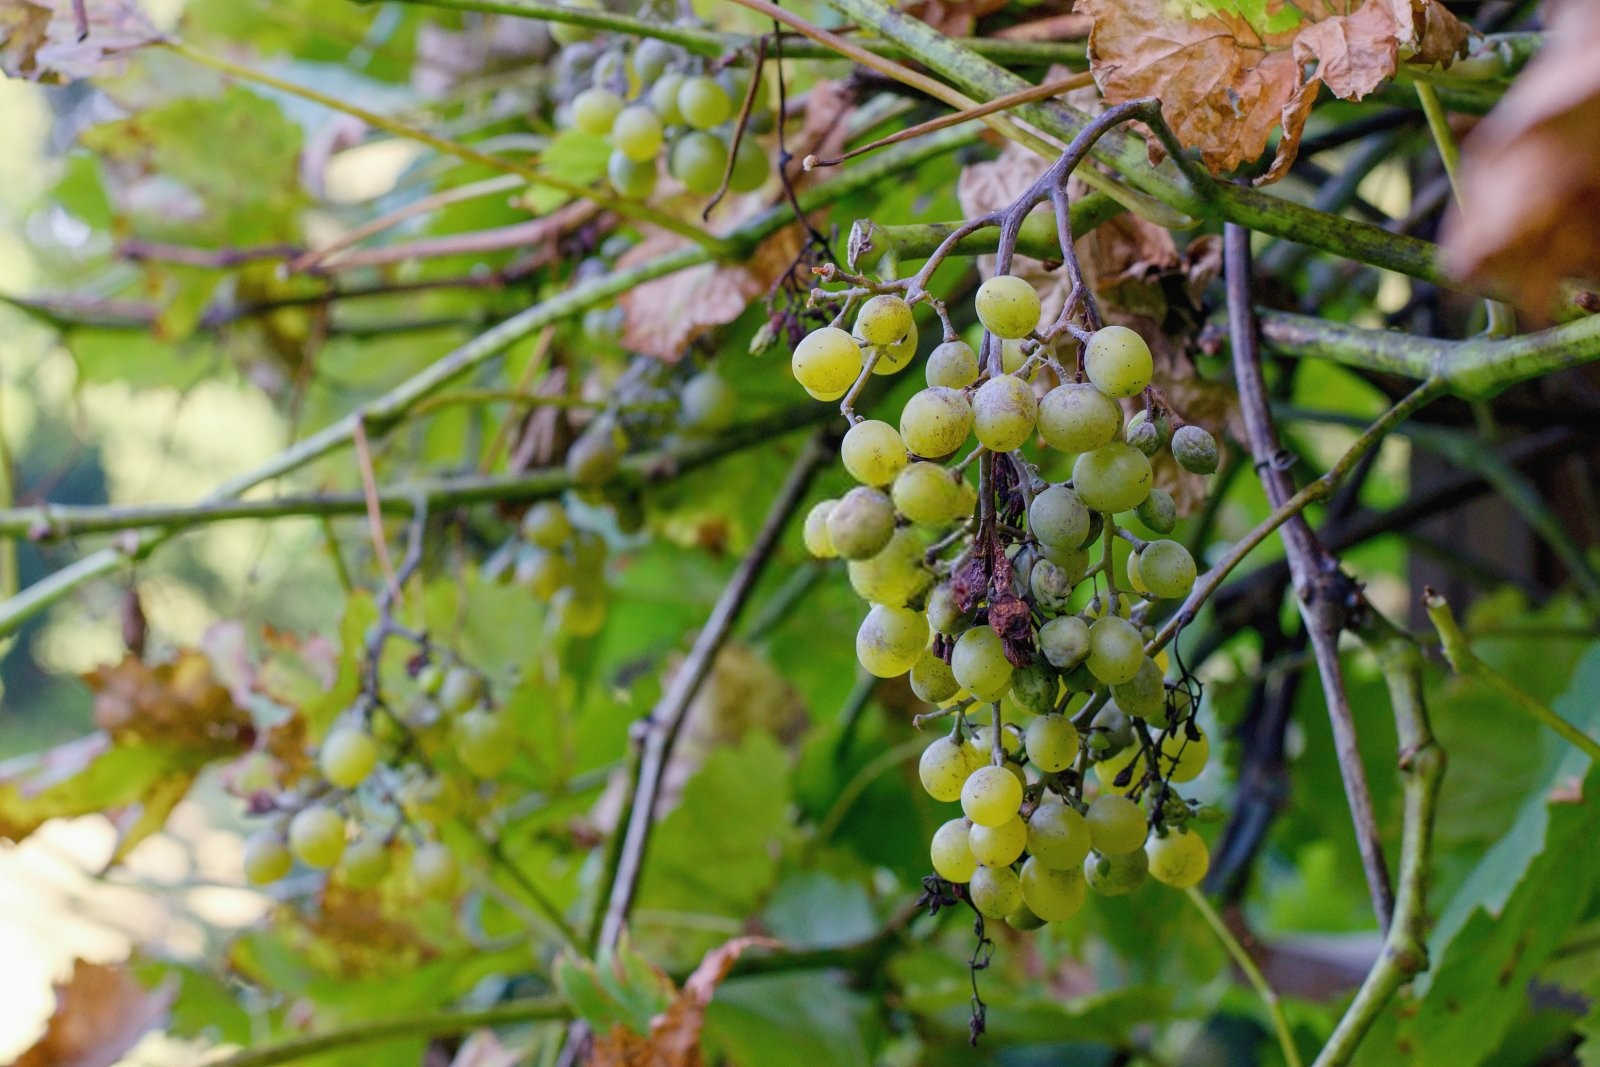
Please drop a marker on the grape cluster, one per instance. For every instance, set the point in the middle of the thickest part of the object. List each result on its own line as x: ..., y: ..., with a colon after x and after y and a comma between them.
x: 561, y: 563
x: 1068, y: 785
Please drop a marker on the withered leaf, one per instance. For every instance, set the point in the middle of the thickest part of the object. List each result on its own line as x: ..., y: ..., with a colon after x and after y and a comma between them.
x: 101, y: 1012
x: 40, y: 39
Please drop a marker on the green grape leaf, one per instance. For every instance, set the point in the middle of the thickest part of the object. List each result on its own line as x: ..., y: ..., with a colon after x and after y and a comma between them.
x: 791, y: 1020
x: 578, y: 157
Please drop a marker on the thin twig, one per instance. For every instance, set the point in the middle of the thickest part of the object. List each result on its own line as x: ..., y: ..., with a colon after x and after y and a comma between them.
x: 1269, y: 996
x: 369, y: 492
x: 319, y: 257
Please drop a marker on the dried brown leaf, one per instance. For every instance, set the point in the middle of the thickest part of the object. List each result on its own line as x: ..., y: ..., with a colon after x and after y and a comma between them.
x: 1228, y: 74
x: 180, y: 702
x: 40, y: 40
x: 1530, y: 172
x: 101, y: 1012
x: 953, y: 18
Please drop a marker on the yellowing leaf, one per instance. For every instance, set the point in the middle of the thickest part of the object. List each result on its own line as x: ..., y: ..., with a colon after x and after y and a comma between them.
x: 1228, y: 72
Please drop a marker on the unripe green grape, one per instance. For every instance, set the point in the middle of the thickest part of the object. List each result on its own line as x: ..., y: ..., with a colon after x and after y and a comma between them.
x: 1114, y: 477
x: 636, y: 133
x: 1117, y: 361
x: 597, y: 453
x: 650, y: 59
x: 952, y: 365
x: 546, y: 524
x: 610, y: 70
x: 485, y: 741
x: 703, y: 103
x: 1116, y: 825
x: 365, y: 862
x: 698, y: 160
x: 1058, y: 836
x: 434, y: 872
x: 1003, y: 413
x: 891, y: 640
x: 894, y: 357
x: 861, y: 523
x: 1167, y: 569
x: 873, y: 452
x: 594, y: 110
x: 1109, y: 769
x: 1077, y: 417
x: 316, y: 836
x: 981, y: 743
x: 991, y: 795
x: 266, y: 857
x: 995, y: 891
x: 895, y: 574
x: 1052, y: 743
x: 588, y: 552
x: 927, y: 494
x: 1144, y: 695
x: 1072, y: 562
x: 1008, y: 306
x: 664, y: 98
x: 1034, y: 688
x: 348, y: 755
x: 1052, y: 894
x: 1012, y: 357
x: 1158, y: 511
x: 630, y: 179
x: 750, y: 166
x: 1024, y: 920
x: 460, y: 689
x: 1058, y: 518
x: 935, y: 422
x: 430, y: 678
x: 1115, y: 876
x: 998, y: 846
x: 578, y: 612
x: 951, y: 853
x: 736, y: 82
x: 815, y: 532
x: 706, y: 403
x: 1051, y: 586
x: 944, y: 613
x: 980, y: 664
x: 1180, y: 859
x: 1195, y: 450
x: 944, y: 768
x: 826, y: 362
x: 1111, y: 729
x: 1153, y: 431
x: 542, y: 571
x: 1183, y: 759
x: 932, y: 679
x: 1065, y: 640
x: 883, y: 320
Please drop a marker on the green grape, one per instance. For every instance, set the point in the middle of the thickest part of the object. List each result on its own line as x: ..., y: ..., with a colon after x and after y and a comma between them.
x: 1111, y: 730
x: 815, y: 532
x: 1116, y: 650
x: 991, y: 796
x: 1077, y: 417
x: 650, y: 59
x: 546, y: 524
x: 1117, y: 361
x: 736, y: 82
x: 861, y: 523
x: 1024, y: 920
x: 998, y: 846
x: 703, y: 103
x: 588, y: 552
x: 950, y: 852
x: 594, y: 110
x: 1147, y: 433
x: 935, y: 422
x: 1065, y: 640
x: 1058, y: 836
x: 1008, y: 307
x: 1167, y: 569
x: 944, y: 768
x: 1052, y: 743
x: 707, y: 402
x: 460, y: 689
x: 1183, y: 759
x: 565, y: 33
x: 952, y: 365
x: 893, y: 358
x: 1110, y: 768
x: 636, y: 133
x: 1116, y: 825
x: 1052, y: 894
x: 610, y: 69
x: 434, y: 872
x: 980, y: 664
x: 266, y: 857
x: 1158, y: 511
x: 927, y: 494
x: 597, y: 453
x: 486, y: 742
x: 1073, y: 562
x: 1051, y: 585
x: 944, y: 613
x: 873, y: 452
x: 316, y: 836
x: 1144, y: 694
x: 1034, y: 688
x: 883, y: 320
x: 827, y: 362
x: 932, y: 680
x: 430, y: 677
x: 664, y: 98
x: 1003, y: 413
x: 698, y: 160
x: 1058, y: 518
x: 1195, y: 450
x: 348, y: 755
x: 1115, y: 876
x: 995, y: 891
x: 1179, y: 859
x: 895, y: 574
x: 1012, y: 357
x: 981, y: 743
x: 633, y: 180
x: 542, y: 571
x: 891, y: 640
x: 1114, y: 477
x: 578, y: 612
x: 365, y: 862
x: 750, y: 166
